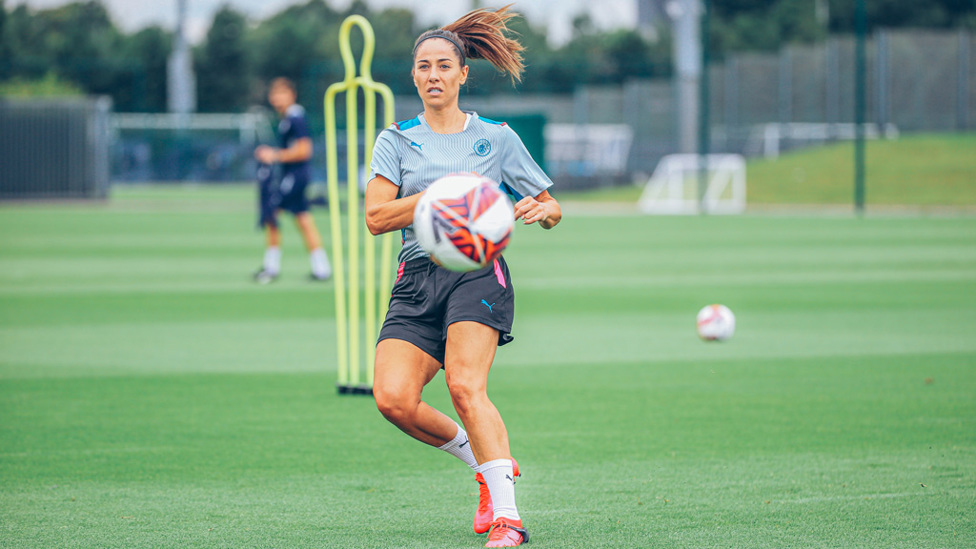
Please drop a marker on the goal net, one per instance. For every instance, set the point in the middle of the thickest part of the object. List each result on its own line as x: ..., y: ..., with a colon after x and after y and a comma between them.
x: 674, y: 187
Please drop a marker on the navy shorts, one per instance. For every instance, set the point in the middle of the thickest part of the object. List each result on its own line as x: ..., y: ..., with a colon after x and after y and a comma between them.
x: 427, y: 299
x: 292, y: 188
x: 288, y: 194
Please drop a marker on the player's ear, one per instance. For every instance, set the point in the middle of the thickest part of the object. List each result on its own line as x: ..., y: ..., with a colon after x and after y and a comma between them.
x: 464, y: 74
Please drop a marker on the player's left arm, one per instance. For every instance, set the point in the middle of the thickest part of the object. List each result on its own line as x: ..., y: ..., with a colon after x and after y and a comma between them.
x: 299, y: 151
x: 542, y: 208
x: 527, y: 179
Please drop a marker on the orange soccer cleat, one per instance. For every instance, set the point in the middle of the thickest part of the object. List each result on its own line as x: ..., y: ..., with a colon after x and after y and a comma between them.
x: 484, y: 514
x: 507, y: 533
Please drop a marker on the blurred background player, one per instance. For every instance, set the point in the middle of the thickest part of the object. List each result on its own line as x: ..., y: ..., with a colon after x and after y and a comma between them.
x: 440, y: 318
x: 293, y: 156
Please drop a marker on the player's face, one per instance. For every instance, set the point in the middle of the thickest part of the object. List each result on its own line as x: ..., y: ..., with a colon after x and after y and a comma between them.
x: 281, y: 97
x: 437, y: 73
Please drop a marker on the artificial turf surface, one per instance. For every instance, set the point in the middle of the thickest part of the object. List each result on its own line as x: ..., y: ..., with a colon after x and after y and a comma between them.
x: 152, y: 396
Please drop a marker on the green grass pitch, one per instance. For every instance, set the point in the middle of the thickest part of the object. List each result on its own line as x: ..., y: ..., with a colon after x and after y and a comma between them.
x: 152, y: 396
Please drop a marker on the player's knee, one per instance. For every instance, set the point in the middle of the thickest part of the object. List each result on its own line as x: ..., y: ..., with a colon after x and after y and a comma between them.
x: 465, y: 392
x: 396, y: 409
x: 386, y: 402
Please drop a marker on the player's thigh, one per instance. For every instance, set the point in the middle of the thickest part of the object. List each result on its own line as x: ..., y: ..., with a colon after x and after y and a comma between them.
x: 402, y: 370
x: 468, y: 355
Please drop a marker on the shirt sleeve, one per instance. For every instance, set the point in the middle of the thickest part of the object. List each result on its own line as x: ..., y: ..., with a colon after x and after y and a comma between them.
x: 520, y: 173
x: 386, y: 158
x: 298, y: 127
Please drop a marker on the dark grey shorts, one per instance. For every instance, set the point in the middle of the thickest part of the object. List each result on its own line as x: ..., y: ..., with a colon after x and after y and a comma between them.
x: 427, y: 299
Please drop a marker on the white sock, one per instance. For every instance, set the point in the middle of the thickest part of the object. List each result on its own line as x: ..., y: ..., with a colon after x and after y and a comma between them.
x: 320, y: 263
x: 500, y: 479
x: 460, y: 448
x: 272, y: 259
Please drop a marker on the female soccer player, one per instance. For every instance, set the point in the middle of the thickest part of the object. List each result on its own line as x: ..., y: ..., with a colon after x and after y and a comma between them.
x: 439, y: 318
x: 294, y: 156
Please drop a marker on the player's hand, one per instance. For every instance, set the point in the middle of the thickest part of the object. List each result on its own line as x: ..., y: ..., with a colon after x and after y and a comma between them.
x: 266, y: 155
x: 530, y: 210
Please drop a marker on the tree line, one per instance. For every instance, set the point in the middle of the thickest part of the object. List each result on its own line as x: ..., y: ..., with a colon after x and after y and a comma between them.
x: 77, y: 48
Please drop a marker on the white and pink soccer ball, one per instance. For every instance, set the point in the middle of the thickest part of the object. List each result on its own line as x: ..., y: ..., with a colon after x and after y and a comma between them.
x: 464, y: 221
x: 715, y: 323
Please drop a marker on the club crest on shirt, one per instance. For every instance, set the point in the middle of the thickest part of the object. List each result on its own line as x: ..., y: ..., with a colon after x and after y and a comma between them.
x: 482, y: 147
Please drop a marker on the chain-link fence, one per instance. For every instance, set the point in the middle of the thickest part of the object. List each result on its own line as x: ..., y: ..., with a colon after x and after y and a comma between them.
x: 759, y: 104
x: 917, y: 81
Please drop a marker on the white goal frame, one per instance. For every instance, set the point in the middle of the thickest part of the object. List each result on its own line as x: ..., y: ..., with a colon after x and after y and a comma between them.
x: 673, y: 188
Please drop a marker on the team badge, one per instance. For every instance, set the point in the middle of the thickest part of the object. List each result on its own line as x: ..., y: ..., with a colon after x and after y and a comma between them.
x: 482, y: 147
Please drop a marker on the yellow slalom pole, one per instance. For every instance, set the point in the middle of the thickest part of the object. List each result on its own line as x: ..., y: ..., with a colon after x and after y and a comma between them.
x: 369, y: 247
x: 347, y: 300
x: 352, y: 201
x: 338, y: 264
x: 386, y: 241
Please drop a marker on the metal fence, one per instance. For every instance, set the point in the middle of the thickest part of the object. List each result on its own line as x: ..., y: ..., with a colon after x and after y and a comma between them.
x: 54, y: 149
x: 918, y: 81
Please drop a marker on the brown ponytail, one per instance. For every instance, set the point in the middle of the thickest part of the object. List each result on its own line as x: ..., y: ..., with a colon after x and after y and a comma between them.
x: 480, y: 34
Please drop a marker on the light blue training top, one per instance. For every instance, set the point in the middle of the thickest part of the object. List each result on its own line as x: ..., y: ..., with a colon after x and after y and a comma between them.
x: 412, y: 156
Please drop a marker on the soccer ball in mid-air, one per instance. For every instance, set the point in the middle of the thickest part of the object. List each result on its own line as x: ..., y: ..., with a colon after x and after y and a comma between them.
x: 463, y: 221
x: 715, y: 323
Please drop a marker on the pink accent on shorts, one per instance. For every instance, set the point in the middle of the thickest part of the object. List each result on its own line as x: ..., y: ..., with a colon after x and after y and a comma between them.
x: 500, y: 275
x: 400, y: 272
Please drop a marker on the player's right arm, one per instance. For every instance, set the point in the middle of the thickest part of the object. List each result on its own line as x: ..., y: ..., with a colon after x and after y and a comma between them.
x: 384, y: 211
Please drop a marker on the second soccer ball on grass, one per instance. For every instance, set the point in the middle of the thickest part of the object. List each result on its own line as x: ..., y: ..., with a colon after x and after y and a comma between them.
x: 464, y: 221
x: 716, y: 323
